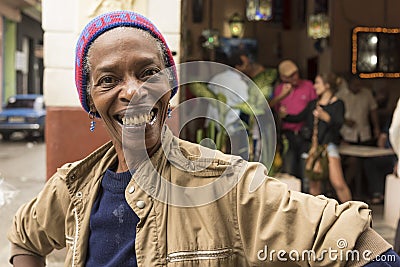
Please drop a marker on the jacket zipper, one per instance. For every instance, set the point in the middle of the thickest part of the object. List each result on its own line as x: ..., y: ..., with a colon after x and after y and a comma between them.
x: 198, y: 255
x: 76, y: 236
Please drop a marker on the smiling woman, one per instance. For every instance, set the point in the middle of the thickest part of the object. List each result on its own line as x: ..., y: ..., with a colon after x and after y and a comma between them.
x: 115, y: 89
x: 148, y: 198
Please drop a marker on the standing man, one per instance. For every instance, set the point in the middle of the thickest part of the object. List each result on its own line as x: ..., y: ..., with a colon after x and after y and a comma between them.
x: 361, y: 108
x: 234, y: 89
x: 293, y: 95
x: 361, y: 113
x: 264, y: 81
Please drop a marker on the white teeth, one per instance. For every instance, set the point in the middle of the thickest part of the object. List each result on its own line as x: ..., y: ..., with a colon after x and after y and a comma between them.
x: 137, y: 120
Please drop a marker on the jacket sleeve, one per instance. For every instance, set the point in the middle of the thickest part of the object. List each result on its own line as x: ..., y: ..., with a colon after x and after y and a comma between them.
x: 38, y: 226
x: 275, y: 222
x: 303, y: 115
x: 337, y: 116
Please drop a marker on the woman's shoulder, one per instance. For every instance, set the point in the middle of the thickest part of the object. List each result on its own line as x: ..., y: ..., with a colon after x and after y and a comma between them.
x: 77, y: 174
x: 337, y: 101
x: 196, y: 152
x: 335, y: 107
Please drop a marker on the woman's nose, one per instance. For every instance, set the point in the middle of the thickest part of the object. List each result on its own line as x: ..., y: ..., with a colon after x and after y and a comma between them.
x: 132, y: 90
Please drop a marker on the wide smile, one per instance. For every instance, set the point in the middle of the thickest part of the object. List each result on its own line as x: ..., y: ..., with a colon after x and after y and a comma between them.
x: 138, y: 119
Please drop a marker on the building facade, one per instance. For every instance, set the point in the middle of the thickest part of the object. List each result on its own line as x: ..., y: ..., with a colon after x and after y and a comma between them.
x: 21, y: 39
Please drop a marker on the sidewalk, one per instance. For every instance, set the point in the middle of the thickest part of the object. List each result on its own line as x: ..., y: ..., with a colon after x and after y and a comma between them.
x: 29, y: 189
x: 23, y: 166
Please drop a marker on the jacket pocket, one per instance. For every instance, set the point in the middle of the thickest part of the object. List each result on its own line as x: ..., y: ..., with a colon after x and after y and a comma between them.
x: 197, y: 255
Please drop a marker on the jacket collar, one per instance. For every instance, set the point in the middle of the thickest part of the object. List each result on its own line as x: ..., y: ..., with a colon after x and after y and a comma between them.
x: 94, y: 165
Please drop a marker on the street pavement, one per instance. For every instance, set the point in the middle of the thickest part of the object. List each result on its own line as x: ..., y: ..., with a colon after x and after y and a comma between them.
x: 23, y: 166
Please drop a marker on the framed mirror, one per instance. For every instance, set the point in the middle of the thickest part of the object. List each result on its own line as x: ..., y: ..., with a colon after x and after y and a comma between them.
x: 376, y: 52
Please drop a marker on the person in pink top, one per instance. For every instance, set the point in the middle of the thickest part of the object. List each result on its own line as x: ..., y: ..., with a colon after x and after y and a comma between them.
x: 293, y: 93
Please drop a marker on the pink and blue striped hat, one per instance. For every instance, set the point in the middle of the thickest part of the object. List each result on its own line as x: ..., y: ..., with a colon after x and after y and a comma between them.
x: 106, y: 22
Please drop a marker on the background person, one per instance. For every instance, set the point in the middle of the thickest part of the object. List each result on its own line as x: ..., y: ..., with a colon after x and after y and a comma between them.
x: 294, y: 94
x: 330, y: 113
x: 264, y: 80
x: 361, y: 108
x: 377, y: 168
x: 234, y: 89
x: 394, y: 136
x: 100, y: 208
x: 394, y: 133
x: 361, y: 111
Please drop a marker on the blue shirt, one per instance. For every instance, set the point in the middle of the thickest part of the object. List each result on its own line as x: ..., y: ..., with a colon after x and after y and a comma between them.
x: 112, y: 224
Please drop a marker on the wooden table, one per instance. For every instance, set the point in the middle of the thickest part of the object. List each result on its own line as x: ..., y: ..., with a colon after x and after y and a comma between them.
x: 362, y: 152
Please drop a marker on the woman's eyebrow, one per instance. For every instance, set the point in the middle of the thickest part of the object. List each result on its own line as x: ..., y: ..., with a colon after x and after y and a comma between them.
x: 106, y: 66
x: 111, y: 65
x: 148, y: 60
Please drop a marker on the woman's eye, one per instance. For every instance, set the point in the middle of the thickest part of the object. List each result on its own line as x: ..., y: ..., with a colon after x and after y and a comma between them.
x: 150, y: 72
x: 107, y: 81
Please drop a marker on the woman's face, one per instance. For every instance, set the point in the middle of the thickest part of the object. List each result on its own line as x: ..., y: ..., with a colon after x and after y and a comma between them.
x: 319, y: 85
x: 121, y: 63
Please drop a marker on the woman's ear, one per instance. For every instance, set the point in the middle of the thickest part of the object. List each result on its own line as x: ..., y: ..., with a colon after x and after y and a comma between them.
x: 91, y: 105
x: 328, y: 86
x: 93, y: 109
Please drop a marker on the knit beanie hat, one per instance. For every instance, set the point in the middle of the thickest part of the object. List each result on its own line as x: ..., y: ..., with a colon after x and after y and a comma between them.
x: 106, y: 22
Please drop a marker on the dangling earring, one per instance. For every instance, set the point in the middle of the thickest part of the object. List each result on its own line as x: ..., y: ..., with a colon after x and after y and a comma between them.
x: 92, y: 121
x: 169, y: 111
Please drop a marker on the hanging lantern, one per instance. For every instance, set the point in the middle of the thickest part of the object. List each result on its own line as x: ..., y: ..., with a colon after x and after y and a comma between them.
x: 259, y: 10
x: 236, y: 25
x: 318, y: 26
x: 211, y: 38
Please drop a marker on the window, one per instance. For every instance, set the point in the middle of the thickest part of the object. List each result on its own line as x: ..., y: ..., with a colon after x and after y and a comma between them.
x: 376, y: 52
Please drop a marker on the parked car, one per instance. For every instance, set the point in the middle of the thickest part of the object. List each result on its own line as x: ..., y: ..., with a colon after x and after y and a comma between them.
x: 23, y: 113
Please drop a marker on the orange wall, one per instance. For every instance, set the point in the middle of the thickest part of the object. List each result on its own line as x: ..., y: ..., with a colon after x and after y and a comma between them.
x: 68, y: 138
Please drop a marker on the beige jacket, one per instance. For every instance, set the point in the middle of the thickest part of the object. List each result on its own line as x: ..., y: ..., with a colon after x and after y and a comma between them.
x: 256, y: 223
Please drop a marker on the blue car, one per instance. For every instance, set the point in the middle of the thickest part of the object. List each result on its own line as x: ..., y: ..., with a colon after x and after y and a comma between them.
x: 23, y: 113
